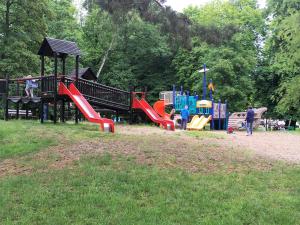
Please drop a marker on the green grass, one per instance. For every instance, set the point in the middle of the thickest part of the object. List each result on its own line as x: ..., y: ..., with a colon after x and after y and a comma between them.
x: 18, y: 137
x: 105, y: 191
x: 113, y: 189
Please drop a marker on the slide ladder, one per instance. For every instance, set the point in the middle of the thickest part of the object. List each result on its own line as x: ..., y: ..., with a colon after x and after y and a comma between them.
x: 84, y: 107
x: 144, y: 105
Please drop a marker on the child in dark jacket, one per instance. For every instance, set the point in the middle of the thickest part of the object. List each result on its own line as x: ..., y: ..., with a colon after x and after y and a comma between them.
x: 249, y: 120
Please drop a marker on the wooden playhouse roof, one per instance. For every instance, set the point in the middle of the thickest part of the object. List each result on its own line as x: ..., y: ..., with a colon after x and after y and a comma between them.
x: 85, y: 73
x: 61, y: 47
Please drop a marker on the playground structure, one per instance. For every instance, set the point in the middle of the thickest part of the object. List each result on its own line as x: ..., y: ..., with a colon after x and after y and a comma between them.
x: 204, y: 111
x: 237, y: 119
x: 58, y: 91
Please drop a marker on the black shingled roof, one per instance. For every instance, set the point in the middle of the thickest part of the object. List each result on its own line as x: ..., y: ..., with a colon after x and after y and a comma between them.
x: 85, y: 73
x: 61, y: 47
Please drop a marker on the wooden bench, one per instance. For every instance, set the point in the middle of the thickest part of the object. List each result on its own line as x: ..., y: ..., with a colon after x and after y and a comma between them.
x: 22, y: 112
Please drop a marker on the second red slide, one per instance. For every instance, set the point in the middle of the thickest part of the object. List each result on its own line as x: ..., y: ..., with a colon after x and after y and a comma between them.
x: 144, y: 105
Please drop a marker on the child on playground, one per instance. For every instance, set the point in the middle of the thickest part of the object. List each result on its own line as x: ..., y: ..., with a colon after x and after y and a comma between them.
x: 30, y: 85
x: 185, y: 114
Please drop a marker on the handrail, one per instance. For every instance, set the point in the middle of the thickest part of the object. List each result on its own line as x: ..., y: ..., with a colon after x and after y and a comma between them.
x: 98, y: 93
x: 97, y: 84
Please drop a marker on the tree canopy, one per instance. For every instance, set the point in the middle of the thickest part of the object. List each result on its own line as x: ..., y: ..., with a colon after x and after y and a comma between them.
x: 252, y: 53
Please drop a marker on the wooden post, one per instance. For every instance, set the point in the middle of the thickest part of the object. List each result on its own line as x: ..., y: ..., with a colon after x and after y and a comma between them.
x: 18, y: 104
x: 42, y: 72
x: 55, y: 89
x: 225, y: 121
x: 62, y: 108
x: 42, y: 111
x: 76, y: 84
x: 6, y: 97
x: 131, y: 109
x: 219, y: 105
x: 212, y: 112
x: 18, y: 109
x: 26, y: 107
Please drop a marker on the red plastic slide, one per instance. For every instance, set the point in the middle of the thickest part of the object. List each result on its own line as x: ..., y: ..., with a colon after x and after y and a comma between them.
x: 85, y: 107
x: 144, y: 105
x: 159, y: 107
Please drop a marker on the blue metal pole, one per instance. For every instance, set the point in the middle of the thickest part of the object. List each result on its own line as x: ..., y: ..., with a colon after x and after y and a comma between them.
x: 181, y: 90
x: 187, y: 98
x: 212, y: 114
x: 219, y: 114
x: 204, y: 82
x: 196, y: 98
x: 226, y: 119
x: 174, y: 95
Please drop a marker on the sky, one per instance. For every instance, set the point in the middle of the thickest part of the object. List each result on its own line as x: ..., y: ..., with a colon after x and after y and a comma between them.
x: 179, y: 5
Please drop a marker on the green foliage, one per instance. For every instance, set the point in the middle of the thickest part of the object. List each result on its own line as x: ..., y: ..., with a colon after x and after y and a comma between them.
x: 280, y: 62
x: 138, y: 54
x: 252, y: 54
x: 22, y: 27
x: 231, y: 58
x: 61, y: 21
x: 289, y: 104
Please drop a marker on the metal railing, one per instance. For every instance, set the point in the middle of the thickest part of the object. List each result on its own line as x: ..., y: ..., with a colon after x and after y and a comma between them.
x: 102, y: 94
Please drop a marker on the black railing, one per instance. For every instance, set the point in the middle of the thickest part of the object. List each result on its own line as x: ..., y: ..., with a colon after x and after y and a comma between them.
x: 17, y: 86
x: 48, y: 84
x: 96, y: 93
x: 102, y: 94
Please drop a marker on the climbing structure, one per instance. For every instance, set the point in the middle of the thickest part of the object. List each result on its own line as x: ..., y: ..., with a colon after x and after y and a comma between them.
x: 237, y: 119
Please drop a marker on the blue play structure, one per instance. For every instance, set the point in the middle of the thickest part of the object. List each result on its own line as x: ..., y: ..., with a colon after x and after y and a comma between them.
x: 208, y: 107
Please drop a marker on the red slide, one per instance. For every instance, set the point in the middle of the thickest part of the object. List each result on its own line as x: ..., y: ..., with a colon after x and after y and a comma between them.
x: 159, y: 107
x: 83, y: 105
x: 144, y: 105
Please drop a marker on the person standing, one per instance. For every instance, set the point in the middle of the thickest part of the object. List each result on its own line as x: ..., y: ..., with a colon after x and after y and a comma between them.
x: 28, y: 87
x: 185, y: 114
x: 249, y: 120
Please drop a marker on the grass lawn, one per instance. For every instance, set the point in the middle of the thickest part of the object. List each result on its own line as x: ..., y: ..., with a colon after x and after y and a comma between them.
x: 114, y: 189
x: 20, y: 137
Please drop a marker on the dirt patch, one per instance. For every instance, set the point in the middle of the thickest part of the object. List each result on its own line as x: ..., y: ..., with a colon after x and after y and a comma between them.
x: 274, y: 145
x: 147, y: 145
x: 271, y: 145
x: 195, y: 152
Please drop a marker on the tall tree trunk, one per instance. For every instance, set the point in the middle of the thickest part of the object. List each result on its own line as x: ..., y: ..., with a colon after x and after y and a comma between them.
x: 105, y: 56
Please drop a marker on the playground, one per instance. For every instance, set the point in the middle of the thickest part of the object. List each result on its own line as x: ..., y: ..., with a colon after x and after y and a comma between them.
x: 138, y: 113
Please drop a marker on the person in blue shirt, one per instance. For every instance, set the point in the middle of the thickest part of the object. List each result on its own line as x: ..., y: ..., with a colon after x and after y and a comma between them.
x: 249, y: 120
x: 185, y: 114
x: 30, y: 85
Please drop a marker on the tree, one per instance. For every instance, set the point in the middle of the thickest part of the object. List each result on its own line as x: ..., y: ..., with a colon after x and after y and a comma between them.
x: 281, y: 60
x: 229, y: 47
x: 22, y: 28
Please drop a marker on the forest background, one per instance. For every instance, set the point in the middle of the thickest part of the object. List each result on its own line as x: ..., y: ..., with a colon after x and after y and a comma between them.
x: 253, y: 54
